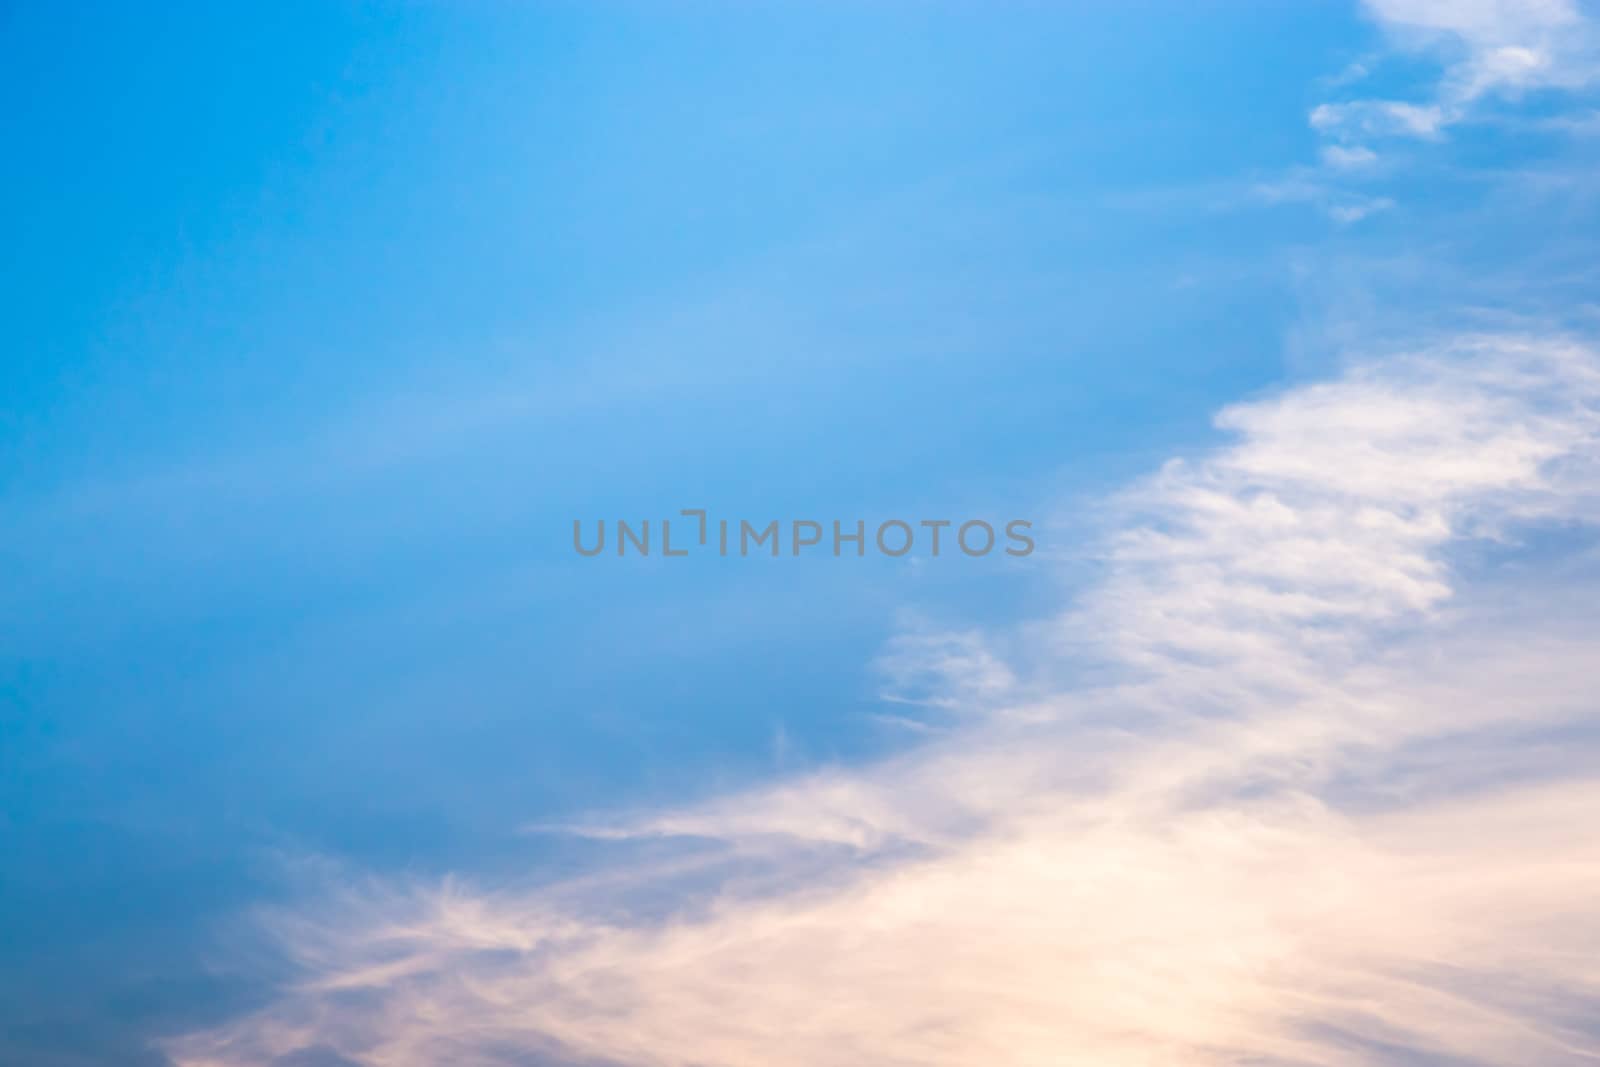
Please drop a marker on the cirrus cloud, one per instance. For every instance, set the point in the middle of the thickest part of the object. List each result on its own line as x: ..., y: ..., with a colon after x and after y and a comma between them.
x: 1306, y: 777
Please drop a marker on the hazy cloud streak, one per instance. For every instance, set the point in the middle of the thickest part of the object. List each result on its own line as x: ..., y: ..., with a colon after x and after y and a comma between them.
x: 1294, y: 783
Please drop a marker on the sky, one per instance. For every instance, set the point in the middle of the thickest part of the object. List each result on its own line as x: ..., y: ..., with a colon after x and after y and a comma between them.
x: 320, y: 746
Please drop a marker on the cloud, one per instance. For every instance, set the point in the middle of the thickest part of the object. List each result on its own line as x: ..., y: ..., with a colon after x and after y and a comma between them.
x: 1349, y: 213
x: 1490, y: 54
x: 1377, y: 118
x: 1303, y: 186
x: 1342, y: 158
x: 1306, y: 777
x: 1503, y: 46
x: 1487, y: 47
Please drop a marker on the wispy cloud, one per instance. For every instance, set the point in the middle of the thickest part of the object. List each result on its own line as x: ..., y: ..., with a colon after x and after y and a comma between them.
x: 1306, y: 186
x: 1303, y: 779
x: 1378, y: 118
x: 1497, y: 46
x: 1483, y: 53
x: 1487, y: 48
x: 1342, y: 158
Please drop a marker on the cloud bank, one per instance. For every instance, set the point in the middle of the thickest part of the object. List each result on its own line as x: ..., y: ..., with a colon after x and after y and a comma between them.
x: 1306, y: 777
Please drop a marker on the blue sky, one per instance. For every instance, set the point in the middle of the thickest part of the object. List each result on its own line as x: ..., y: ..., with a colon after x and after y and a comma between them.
x: 324, y: 322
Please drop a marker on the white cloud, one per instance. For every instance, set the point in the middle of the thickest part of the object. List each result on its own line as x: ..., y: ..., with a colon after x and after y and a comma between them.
x: 1341, y: 157
x: 1488, y: 47
x: 1356, y: 211
x: 1304, y: 187
x: 1497, y: 45
x: 1284, y: 792
x: 1487, y: 52
x: 1378, y: 118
